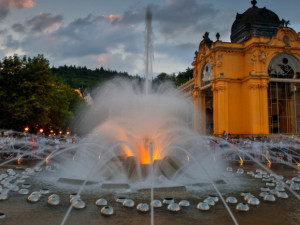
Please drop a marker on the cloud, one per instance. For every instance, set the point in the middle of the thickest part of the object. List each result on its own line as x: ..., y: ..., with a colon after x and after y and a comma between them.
x: 18, y: 27
x: 117, y: 41
x: 19, y: 3
x: 7, y: 5
x: 44, y: 22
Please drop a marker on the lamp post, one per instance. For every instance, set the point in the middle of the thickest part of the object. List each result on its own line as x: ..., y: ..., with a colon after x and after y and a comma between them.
x: 26, y: 129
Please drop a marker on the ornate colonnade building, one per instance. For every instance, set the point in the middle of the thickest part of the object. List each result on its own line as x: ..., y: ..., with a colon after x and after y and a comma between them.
x: 251, y: 85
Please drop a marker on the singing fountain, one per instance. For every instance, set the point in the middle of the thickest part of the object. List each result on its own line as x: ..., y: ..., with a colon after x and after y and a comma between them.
x: 143, y: 148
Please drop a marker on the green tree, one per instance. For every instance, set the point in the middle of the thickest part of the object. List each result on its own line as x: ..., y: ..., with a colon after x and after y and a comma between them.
x: 31, y: 96
x: 183, y: 77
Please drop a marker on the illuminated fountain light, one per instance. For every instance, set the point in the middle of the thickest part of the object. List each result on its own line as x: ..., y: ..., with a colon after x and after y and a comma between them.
x: 240, y: 171
x: 23, y: 191
x: 231, y: 200
x: 21, y: 181
x: 184, y: 203
x: 120, y: 199
x: 263, y: 194
x: 280, y: 188
x: 250, y: 173
x: 3, y: 196
x: 173, y: 207
x: 101, y: 202
x: 29, y: 171
x: 280, y: 177
x: 269, y: 198
x: 270, y: 184
x: 107, y: 211
x: 53, y: 200
x: 242, y: 207
x: 265, y: 189
x: 245, y: 193
x: 214, y: 197
x: 7, y: 185
x: 258, y: 176
x: 74, y: 197
x: 283, y: 195
x: 143, y: 207
x: 247, y: 197
x: 267, y: 180
x: 34, y: 197
x: 2, y: 216
x: 11, y: 172
x: 168, y: 201
x: 274, y: 191
x: 14, y: 188
x: 26, y: 185
x: 296, y: 179
x: 258, y: 170
x: 209, y: 201
x: 253, y: 201
x: 129, y: 203
x: 156, y: 203
x: 78, y: 204
x: 229, y: 169
x: 295, y: 187
x: 45, y: 191
x: 203, y: 206
x: 38, y: 169
x: 5, y: 191
x: 289, y: 182
x: 3, y: 175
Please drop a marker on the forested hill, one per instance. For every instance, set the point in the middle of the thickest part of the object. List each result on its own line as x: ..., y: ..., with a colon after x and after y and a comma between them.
x: 82, y: 77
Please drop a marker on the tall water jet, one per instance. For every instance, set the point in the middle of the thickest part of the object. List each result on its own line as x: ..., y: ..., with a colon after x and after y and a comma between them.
x: 148, y: 49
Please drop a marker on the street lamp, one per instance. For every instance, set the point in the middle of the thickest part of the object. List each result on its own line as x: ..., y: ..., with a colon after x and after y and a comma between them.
x: 41, y: 130
x: 26, y: 129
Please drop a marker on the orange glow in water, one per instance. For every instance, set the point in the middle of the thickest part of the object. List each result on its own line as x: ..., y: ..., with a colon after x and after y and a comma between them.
x: 241, y: 161
x: 143, y: 152
x: 20, y: 160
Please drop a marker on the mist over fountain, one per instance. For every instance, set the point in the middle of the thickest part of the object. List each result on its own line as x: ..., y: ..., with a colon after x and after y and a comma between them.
x: 130, y: 116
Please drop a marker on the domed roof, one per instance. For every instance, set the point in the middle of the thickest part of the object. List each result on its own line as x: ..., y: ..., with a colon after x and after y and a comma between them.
x: 254, y: 22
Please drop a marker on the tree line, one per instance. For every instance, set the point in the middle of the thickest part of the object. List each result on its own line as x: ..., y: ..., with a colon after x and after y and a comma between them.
x: 35, y: 96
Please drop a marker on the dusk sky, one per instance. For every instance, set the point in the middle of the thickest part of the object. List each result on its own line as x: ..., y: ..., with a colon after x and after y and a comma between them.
x: 110, y: 33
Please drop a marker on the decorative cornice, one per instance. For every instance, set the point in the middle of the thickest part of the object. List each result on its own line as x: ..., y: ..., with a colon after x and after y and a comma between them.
x: 257, y: 86
x: 219, y: 88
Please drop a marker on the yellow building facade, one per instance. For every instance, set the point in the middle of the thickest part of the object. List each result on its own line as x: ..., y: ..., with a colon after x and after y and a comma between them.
x: 251, y: 85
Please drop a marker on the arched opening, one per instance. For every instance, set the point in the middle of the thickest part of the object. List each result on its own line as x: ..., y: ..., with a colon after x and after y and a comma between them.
x: 207, y: 98
x: 284, y: 94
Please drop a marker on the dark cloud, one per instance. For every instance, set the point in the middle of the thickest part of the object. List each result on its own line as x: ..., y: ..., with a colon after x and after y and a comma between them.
x: 11, y: 43
x: 44, y: 21
x: 91, y: 35
x: 6, y: 5
x: 4, y: 9
x: 18, y: 27
x: 118, y: 40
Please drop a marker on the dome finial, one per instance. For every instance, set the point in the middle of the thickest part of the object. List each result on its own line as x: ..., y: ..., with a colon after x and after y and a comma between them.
x: 254, y: 2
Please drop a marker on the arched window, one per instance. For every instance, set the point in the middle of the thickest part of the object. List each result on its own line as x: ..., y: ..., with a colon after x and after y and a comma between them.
x: 284, y: 66
x: 284, y: 94
x: 206, y: 74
